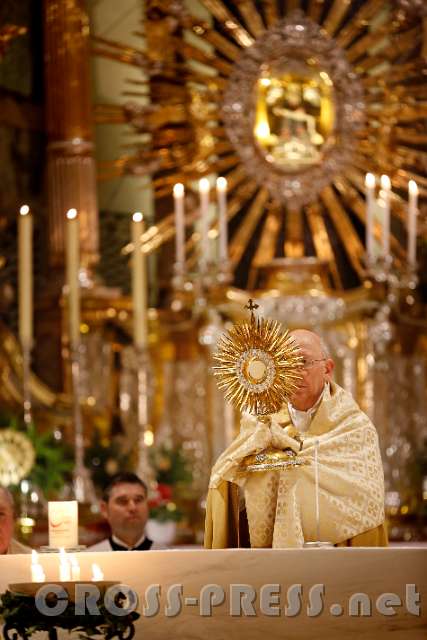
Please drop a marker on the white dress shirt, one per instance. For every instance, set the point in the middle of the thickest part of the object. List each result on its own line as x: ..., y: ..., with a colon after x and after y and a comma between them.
x: 302, y: 419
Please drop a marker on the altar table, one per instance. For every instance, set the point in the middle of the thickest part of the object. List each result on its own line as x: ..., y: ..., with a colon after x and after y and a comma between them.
x: 237, y: 594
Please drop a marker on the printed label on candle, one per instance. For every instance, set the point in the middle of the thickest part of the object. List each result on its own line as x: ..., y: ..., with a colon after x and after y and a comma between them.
x: 63, y: 524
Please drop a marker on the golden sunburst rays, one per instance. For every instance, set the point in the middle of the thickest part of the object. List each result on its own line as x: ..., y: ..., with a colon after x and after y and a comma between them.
x: 258, y: 365
x: 186, y: 65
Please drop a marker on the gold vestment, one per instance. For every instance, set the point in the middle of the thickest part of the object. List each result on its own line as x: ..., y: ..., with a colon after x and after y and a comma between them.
x: 280, y: 504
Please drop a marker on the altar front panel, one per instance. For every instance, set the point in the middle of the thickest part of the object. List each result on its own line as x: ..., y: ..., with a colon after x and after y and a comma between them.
x: 342, y: 572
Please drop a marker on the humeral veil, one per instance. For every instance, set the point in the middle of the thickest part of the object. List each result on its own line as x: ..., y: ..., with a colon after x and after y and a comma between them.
x: 279, y: 508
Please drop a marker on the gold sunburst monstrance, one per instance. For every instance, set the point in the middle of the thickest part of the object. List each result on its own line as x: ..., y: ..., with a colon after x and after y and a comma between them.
x: 258, y: 365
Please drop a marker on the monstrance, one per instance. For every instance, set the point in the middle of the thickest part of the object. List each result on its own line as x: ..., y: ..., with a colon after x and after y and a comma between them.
x: 17, y: 457
x: 258, y: 366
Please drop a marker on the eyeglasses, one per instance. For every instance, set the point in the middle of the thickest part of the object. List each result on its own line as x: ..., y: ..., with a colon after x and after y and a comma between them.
x: 307, y: 364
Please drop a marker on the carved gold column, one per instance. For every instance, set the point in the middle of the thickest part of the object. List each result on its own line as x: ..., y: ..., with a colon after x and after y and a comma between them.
x: 71, y: 165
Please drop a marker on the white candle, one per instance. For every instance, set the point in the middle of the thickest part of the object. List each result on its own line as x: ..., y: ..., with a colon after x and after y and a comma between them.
x: 72, y: 250
x: 221, y: 189
x: 63, y: 524
x: 96, y: 573
x: 64, y: 566
x: 385, y: 194
x: 25, y: 275
x: 412, y: 223
x: 75, y: 568
x: 369, y: 230
x: 178, y: 196
x: 139, y: 284
x: 37, y: 573
x: 64, y: 572
x: 204, y: 188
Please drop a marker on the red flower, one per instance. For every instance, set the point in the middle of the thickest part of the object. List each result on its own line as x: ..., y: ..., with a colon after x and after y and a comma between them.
x: 165, y: 491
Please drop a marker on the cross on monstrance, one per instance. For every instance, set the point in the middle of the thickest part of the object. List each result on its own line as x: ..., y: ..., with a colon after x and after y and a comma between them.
x: 251, y: 306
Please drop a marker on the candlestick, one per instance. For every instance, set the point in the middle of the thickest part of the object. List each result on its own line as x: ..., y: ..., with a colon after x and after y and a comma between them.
x: 72, y: 268
x: 204, y: 189
x: 221, y: 189
x: 25, y: 275
x: 63, y: 524
x: 139, y: 284
x: 178, y: 196
x: 385, y: 194
x: 370, y: 197
x: 412, y: 223
x: 83, y: 486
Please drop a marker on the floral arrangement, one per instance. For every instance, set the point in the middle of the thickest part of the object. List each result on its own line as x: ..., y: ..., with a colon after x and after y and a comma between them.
x: 173, y: 476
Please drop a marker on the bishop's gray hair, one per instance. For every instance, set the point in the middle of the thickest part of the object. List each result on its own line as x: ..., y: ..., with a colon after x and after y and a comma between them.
x: 325, y: 349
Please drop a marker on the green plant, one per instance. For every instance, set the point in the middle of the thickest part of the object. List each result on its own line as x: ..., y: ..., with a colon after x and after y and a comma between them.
x: 172, y: 475
x: 54, y: 459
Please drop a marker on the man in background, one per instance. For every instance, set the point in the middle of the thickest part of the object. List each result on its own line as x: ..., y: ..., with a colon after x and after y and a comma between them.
x: 7, y: 524
x: 125, y: 508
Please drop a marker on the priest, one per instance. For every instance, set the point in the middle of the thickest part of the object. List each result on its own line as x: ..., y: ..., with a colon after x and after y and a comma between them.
x: 8, y: 544
x: 254, y: 502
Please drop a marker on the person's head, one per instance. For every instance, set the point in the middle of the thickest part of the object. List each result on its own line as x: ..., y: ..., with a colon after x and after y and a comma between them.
x: 125, y: 506
x: 7, y: 519
x: 318, y: 368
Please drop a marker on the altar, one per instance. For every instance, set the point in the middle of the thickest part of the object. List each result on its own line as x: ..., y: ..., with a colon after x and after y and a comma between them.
x: 241, y: 593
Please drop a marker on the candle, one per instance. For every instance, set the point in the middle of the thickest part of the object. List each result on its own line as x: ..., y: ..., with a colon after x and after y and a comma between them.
x: 64, y: 566
x: 63, y: 524
x: 72, y: 250
x: 75, y: 568
x: 385, y: 195
x: 96, y: 573
x: 370, y: 197
x: 37, y: 573
x: 204, y: 188
x: 412, y: 223
x: 221, y: 190
x: 25, y: 275
x: 178, y: 196
x: 64, y: 572
x: 139, y: 284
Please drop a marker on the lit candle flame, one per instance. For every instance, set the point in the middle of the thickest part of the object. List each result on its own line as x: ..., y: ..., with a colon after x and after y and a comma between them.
x: 370, y: 180
x: 178, y: 190
x: 72, y: 214
x: 204, y: 185
x: 96, y: 573
x: 385, y: 182
x: 24, y: 210
x: 413, y: 187
x: 221, y: 184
